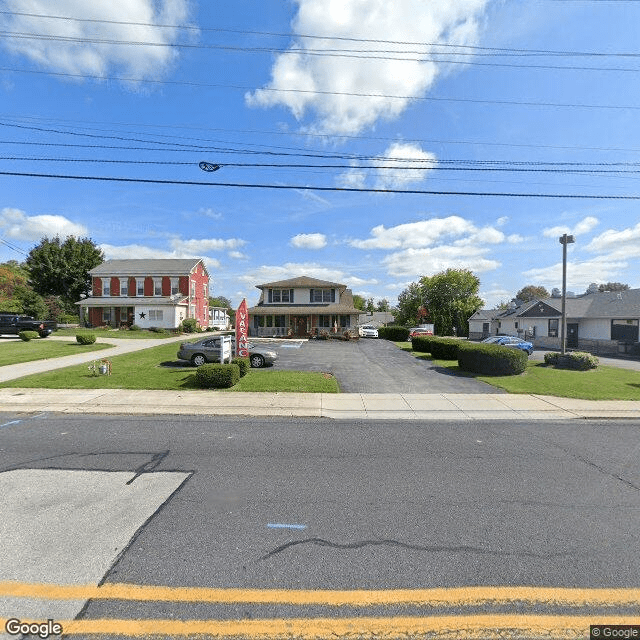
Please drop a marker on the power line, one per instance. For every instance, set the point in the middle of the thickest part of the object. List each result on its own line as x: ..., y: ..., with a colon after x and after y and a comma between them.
x: 188, y: 83
x: 319, y: 188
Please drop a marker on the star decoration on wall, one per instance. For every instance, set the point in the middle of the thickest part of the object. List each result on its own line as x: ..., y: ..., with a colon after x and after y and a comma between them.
x: 143, y: 314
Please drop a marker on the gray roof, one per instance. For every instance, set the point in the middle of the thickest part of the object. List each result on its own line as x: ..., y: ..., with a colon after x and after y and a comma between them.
x: 301, y: 281
x: 147, y: 267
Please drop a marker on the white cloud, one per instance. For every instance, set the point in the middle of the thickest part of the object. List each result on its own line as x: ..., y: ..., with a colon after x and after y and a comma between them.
x: 414, y: 263
x: 416, y: 234
x: 203, y: 245
x: 584, y: 226
x: 273, y: 273
x: 619, y: 244
x: 113, y: 252
x: 16, y: 224
x: 502, y: 220
x: 515, y: 238
x: 304, y: 81
x: 399, y: 155
x: 238, y: 255
x: 579, y: 274
x: 309, y: 241
x: 210, y: 213
x: 97, y: 58
x: 352, y: 179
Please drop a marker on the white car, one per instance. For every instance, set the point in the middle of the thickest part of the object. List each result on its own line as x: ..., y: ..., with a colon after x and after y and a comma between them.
x: 367, y: 331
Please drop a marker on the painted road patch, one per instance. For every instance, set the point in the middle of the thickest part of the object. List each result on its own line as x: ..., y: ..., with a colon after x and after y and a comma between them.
x: 67, y: 527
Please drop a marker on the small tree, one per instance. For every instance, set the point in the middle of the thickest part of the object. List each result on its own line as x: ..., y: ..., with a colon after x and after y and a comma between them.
x: 358, y: 302
x: 383, y: 305
x: 613, y: 286
x: 532, y: 292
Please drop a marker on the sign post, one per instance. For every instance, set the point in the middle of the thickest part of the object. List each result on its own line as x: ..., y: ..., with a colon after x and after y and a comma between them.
x: 242, y: 330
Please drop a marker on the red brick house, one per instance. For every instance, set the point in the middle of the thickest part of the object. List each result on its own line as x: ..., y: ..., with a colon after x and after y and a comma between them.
x: 149, y: 293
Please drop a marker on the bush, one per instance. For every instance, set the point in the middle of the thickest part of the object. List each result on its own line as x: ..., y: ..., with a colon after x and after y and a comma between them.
x: 217, y: 376
x: 577, y: 360
x: 422, y: 344
x: 69, y: 319
x: 444, y: 348
x: 28, y: 335
x: 394, y: 333
x: 243, y: 365
x: 85, y: 338
x: 189, y: 325
x: 491, y: 359
x: 134, y: 327
x: 159, y: 330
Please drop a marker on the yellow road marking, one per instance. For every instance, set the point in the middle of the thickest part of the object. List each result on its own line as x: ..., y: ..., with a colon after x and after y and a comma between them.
x: 477, y: 626
x: 455, y: 596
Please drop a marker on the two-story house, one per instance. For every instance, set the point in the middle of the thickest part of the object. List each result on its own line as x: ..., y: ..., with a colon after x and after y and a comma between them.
x: 149, y: 293
x: 301, y: 307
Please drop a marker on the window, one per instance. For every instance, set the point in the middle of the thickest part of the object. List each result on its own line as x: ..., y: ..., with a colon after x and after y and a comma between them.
x: 140, y: 286
x: 324, y: 321
x: 258, y: 321
x: 553, y: 328
x: 106, y: 286
x: 345, y: 322
x: 155, y: 315
x: 280, y: 295
x: 279, y: 321
x: 157, y: 286
x: 626, y: 330
x: 124, y: 286
x: 269, y: 321
x: 106, y: 315
x: 322, y: 295
x: 193, y: 289
x: 174, y: 286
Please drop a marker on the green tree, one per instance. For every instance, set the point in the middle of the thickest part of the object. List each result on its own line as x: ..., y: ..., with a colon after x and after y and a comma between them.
x: 61, y: 267
x: 16, y: 296
x: 613, y: 286
x: 451, y: 298
x: 532, y: 292
x: 358, y: 302
x: 410, y: 307
x: 383, y: 305
x: 220, y: 301
x: 370, y: 307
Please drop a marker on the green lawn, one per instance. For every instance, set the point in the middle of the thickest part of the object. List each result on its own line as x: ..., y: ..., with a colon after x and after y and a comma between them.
x: 158, y: 368
x: 14, y: 352
x: 115, y: 333
x: 603, y: 383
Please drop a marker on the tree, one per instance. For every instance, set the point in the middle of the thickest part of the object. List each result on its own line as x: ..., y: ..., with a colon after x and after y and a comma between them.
x: 451, y: 298
x: 383, y: 305
x: 532, y: 292
x: 220, y: 301
x: 613, y: 286
x: 61, y: 268
x: 370, y: 307
x: 16, y: 296
x: 358, y: 302
x: 410, y: 307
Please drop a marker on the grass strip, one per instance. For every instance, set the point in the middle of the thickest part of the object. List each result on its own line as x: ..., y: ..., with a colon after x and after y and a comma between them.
x: 15, y: 352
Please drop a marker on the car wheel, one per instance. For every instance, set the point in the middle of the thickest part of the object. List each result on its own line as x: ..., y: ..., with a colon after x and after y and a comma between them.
x: 198, y: 360
x: 257, y: 361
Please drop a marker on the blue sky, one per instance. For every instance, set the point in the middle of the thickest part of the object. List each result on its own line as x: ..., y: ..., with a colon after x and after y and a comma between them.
x: 461, y: 96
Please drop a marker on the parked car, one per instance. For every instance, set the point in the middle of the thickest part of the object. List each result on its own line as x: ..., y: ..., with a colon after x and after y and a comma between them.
x: 367, y: 331
x: 420, y: 331
x: 510, y: 341
x: 13, y: 324
x: 208, y: 350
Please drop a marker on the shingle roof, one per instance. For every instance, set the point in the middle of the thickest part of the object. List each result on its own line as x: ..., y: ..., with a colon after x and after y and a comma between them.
x: 302, y: 309
x: 301, y: 281
x: 146, y: 267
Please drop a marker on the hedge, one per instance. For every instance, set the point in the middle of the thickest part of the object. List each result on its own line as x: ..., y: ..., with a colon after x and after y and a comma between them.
x: 28, y: 335
x: 189, y: 325
x: 444, y: 348
x: 85, y: 338
x: 217, y: 376
x: 422, y: 343
x: 243, y: 365
x: 579, y: 360
x: 491, y: 359
x: 394, y: 333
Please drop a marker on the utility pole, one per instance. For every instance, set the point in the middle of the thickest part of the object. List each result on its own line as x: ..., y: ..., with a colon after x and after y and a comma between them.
x: 564, y: 241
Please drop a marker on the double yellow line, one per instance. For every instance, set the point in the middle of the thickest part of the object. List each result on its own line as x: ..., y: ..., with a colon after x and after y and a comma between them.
x: 448, y: 626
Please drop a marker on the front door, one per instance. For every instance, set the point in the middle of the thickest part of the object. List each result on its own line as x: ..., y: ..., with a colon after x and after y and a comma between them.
x: 301, y: 326
x: 572, y: 335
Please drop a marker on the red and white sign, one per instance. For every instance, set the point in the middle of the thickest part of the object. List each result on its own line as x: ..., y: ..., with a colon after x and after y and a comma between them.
x: 242, y: 330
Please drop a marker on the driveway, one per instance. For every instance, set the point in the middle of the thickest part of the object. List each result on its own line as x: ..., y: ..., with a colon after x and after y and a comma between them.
x: 373, y: 366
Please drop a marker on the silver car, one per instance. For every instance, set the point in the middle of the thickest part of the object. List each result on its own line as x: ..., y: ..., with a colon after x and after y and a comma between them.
x: 208, y: 350
x: 367, y: 331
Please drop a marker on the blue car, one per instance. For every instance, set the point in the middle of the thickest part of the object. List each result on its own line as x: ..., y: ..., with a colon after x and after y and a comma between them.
x: 509, y: 341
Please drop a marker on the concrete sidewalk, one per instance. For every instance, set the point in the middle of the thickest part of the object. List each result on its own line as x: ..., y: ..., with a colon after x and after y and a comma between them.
x: 459, y: 407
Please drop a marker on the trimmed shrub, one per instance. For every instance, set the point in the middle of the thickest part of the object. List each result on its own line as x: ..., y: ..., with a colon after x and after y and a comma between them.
x: 134, y: 327
x: 189, y: 325
x: 217, y: 376
x: 28, y: 335
x: 577, y: 360
x: 444, y: 348
x: 394, y: 333
x: 69, y: 319
x: 159, y: 330
x: 422, y: 344
x: 85, y: 338
x: 243, y: 365
x: 491, y: 359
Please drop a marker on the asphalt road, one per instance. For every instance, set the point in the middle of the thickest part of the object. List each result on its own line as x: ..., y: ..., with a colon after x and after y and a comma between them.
x: 314, y: 504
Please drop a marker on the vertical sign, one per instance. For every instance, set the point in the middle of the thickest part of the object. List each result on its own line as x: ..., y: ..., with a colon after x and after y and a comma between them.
x: 242, y: 330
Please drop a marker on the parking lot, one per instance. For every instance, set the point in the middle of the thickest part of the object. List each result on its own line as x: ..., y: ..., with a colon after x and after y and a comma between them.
x: 373, y: 366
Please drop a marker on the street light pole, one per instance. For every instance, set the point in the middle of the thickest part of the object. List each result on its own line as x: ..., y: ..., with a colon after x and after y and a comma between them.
x: 564, y: 241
